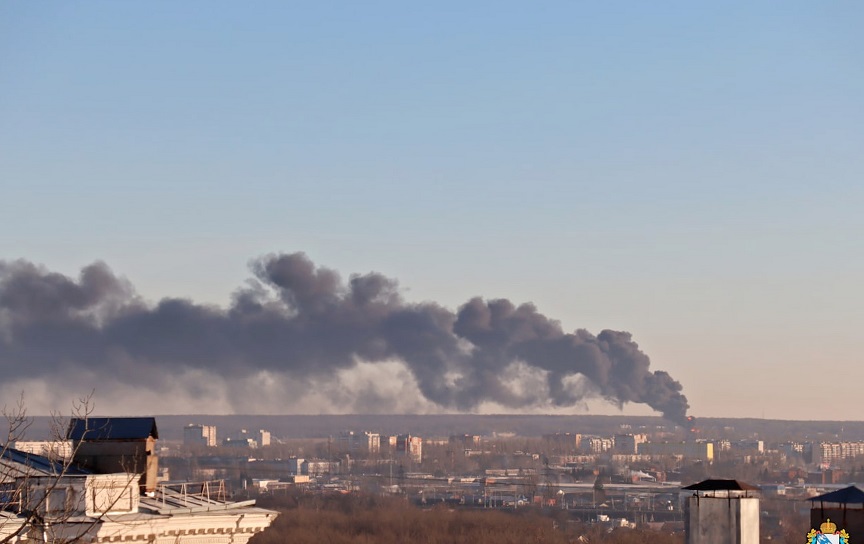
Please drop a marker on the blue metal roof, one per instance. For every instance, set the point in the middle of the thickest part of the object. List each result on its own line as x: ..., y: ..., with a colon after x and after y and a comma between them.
x: 112, y: 428
x: 847, y: 495
x: 40, y: 462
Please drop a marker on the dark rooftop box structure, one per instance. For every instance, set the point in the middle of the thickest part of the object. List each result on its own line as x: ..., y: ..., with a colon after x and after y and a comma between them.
x: 845, y: 508
x: 116, y: 444
x: 716, y: 485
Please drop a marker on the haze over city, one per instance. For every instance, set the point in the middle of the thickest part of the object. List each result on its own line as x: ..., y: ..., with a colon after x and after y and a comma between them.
x: 684, y: 177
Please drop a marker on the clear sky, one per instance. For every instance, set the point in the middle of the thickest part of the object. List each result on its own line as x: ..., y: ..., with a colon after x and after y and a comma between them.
x: 690, y: 172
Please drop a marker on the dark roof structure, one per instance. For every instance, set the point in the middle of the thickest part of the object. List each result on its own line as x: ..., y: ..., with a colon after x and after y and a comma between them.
x: 39, y: 462
x: 112, y: 428
x: 847, y: 495
x: 718, y: 488
x: 721, y: 485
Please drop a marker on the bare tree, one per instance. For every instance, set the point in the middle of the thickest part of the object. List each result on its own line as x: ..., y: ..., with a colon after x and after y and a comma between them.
x: 44, y: 497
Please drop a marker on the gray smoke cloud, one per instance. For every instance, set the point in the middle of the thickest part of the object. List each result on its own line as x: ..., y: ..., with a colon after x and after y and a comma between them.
x: 301, y: 321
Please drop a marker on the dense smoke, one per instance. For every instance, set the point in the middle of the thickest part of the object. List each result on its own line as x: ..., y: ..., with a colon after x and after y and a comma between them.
x: 301, y: 323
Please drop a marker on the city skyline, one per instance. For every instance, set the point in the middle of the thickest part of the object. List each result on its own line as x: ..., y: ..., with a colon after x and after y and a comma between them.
x: 687, y: 174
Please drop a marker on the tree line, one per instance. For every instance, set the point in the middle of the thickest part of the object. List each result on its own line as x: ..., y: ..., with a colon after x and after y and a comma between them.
x: 368, y: 518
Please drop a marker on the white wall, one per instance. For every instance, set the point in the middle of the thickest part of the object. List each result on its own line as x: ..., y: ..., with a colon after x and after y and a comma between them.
x: 722, y: 520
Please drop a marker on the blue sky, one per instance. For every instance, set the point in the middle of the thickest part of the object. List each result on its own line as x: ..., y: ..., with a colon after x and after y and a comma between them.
x: 690, y: 173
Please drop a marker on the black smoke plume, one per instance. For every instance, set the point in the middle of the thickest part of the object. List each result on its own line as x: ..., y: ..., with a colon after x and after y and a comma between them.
x: 300, y: 320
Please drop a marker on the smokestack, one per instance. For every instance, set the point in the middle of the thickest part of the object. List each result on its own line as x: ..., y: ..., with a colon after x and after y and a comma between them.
x: 298, y: 321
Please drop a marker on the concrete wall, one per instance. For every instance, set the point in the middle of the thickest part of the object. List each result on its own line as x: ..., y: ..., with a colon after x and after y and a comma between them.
x: 722, y: 520
x: 92, y: 495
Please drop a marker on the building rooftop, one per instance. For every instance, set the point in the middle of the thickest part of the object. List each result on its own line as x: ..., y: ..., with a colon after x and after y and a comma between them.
x: 722, y: 488
x: 721, y: 485
x: 190, y: 498
x: 112, y: 428
x: 39, y: 463
x: 847, y: 495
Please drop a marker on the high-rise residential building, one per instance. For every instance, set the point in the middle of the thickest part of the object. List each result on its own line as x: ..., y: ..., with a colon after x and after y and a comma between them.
x: 800, y: 449
x: 246, y: 439
x: 199, y: 435
x: 629, y: 443
x: 362, y: 442
x: 410, y: 446
x: 564, y: 442
x: 295, y: 465
x: 597, y: 444
x: 750, y: 444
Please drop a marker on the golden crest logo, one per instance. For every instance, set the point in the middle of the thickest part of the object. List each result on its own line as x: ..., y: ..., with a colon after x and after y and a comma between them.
x: 827, y: 534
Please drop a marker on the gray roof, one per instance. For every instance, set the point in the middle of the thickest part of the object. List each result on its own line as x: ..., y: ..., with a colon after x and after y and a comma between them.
x: 172, y: 501
x: 112, y: 428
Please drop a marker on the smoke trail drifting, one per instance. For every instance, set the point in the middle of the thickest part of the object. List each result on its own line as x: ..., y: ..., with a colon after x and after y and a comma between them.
x: 298, y: 321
